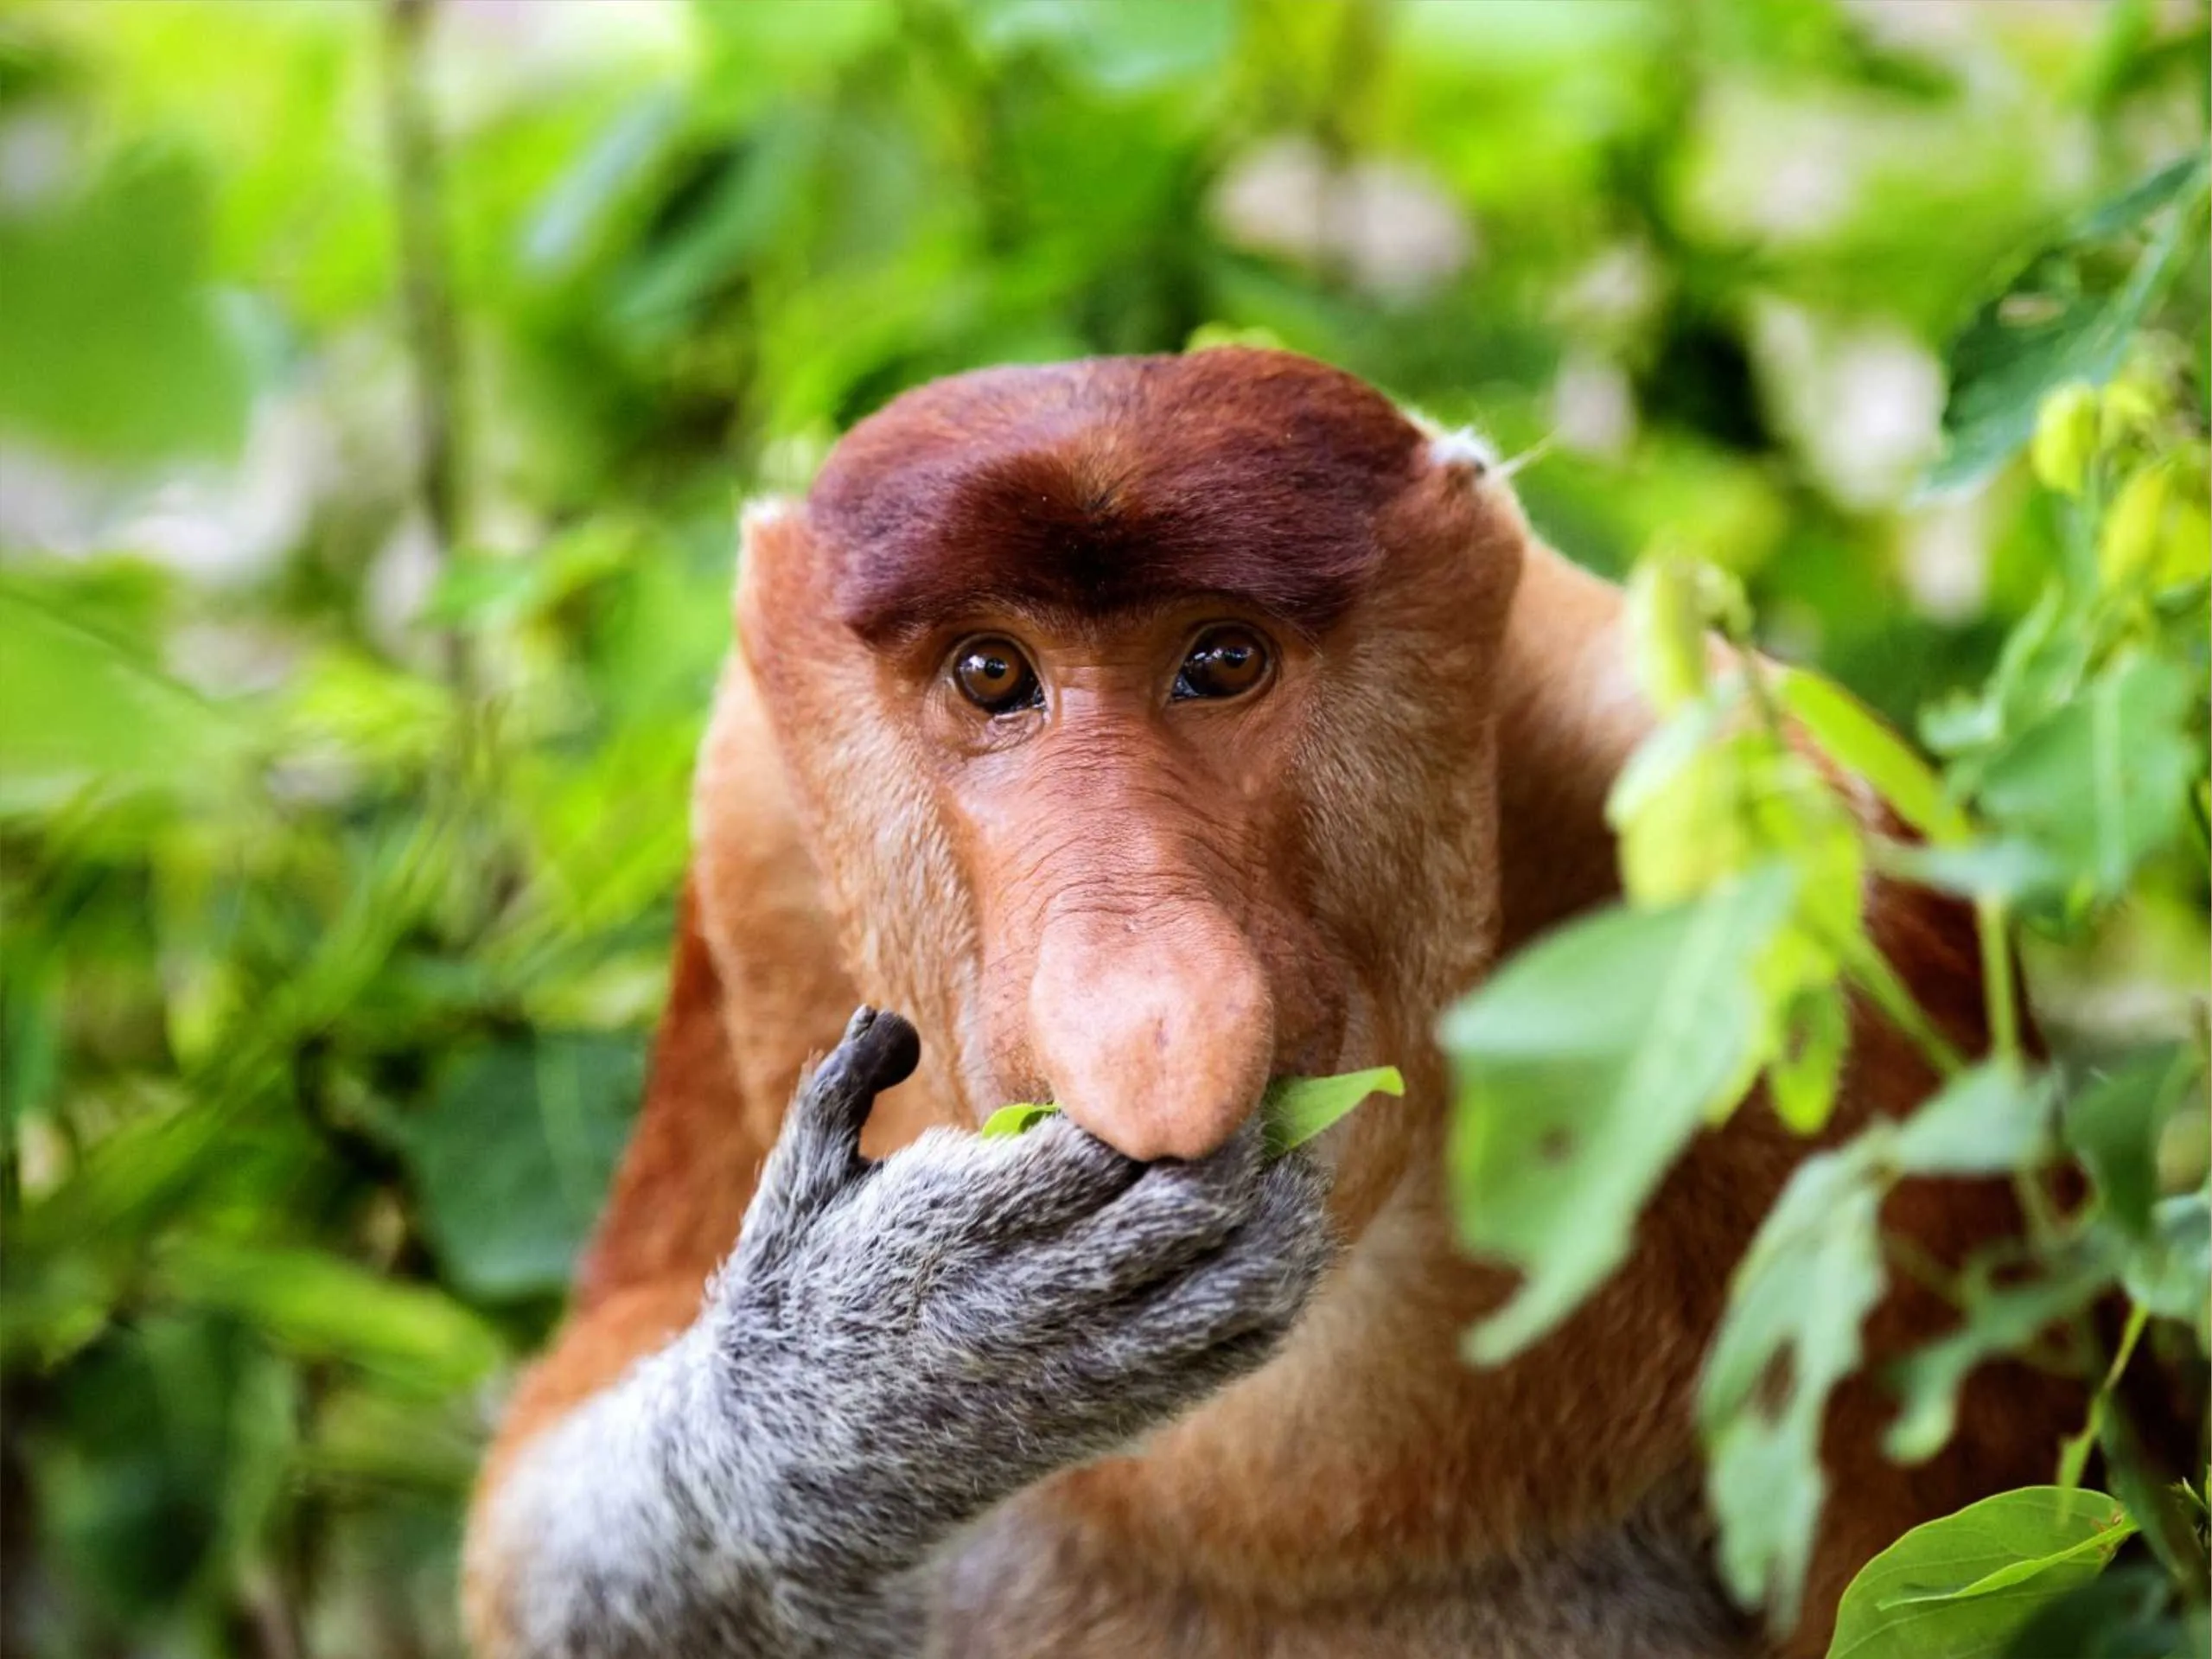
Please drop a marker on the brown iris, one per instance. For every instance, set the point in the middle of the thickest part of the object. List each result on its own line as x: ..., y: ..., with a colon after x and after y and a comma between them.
x: 994, y: 675
x: 1227, y: 661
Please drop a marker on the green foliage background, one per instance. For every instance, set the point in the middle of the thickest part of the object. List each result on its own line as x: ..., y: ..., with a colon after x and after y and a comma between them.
x: 377, y: 385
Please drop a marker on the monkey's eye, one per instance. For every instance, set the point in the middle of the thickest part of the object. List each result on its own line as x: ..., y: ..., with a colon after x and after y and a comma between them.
x: 1228, y: 661
x: 996, y: 677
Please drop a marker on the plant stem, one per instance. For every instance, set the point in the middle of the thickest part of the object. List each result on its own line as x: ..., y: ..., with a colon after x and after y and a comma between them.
x: 1999, y: 991
x: 425, y: 291
x: 1871, y: 972
x: 2075, y: 1456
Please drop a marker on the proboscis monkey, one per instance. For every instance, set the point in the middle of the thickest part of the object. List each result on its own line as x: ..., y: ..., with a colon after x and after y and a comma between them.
x: 1146, y: 729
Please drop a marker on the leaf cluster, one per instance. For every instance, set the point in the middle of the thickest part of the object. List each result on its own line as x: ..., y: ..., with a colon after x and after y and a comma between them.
x: 2068, y: 792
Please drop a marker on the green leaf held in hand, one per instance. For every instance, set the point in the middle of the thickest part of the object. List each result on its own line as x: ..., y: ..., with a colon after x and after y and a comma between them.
x: 1295, y: 1109
x: 1298, y: 1108
x: 1010, y: 1121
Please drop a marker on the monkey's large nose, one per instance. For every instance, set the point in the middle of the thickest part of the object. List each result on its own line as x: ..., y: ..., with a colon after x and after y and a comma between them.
x: 1159, y: 1039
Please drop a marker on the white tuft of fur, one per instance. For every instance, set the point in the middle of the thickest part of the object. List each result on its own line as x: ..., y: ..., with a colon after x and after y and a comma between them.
x: 761, y: 513
x: 1463, y: 447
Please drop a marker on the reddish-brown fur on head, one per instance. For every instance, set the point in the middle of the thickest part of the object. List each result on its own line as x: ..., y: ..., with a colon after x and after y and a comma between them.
x: 1139, y: 905
x: 1113, y: 483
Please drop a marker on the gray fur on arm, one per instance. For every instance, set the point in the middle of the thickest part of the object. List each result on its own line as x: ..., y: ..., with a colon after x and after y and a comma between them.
x: 892, y: 1349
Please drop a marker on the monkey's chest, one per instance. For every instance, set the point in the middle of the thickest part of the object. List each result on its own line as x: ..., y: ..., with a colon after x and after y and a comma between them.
x: 1025, y: 1583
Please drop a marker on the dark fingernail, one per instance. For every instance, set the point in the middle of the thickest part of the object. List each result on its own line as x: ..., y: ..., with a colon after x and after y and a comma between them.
x: 885, y: 1053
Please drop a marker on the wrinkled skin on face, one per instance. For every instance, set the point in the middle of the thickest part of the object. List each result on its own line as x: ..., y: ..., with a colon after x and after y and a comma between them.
x: 1126, y: 891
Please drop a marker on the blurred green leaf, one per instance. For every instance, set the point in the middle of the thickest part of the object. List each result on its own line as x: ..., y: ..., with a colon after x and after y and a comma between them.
x: 1581, y: 1068
x: 2113, y: 1126
x: 1986, y: 1120
x: 318, y: 1306
x: 2125, y: 1613
x: 78, y: 708
x: 2102, y: 782
x: 1119, y: 46
x: 576, y: 211
x: 111, y: 346
x: 513, y: 1157
x: 2054, y: 325
x: 1791, y: 1333
x: 171, y: 1406
x: 2037, y: 673
x: 2171, y: 1275
x: 1996, y: 1319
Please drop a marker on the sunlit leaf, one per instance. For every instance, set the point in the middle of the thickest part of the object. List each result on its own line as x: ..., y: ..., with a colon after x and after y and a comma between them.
x: 1963, y: 1585
x: 1298, y: 1108
x: 1856, y: 741
x: 1803, y: 1075
x: 78, y: 707
x: 111, y: 344
x: 2133, y: 532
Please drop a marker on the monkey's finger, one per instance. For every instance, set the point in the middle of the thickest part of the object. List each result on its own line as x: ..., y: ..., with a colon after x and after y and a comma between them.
x: 879, y: 1050
x: 982, y: 1210
x: 1052, y: 1178
x: 1170, y: 1216
x: 1253, y: 1286
x: 820, y: 1149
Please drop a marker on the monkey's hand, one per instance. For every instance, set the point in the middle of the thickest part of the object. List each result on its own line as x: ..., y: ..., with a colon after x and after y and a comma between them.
x: 893, y: 1348
x: 917, y: 1338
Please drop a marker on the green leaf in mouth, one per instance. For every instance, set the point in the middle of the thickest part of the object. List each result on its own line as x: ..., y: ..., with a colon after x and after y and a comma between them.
x: 1295, y: 1109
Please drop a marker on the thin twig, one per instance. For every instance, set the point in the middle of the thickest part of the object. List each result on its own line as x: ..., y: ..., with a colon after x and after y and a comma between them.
x: 426, y: 294
x: 2074, y: 1456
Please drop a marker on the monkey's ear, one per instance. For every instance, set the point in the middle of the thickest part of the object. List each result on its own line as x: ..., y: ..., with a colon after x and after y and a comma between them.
x: 1463, y: 451
x: 775, y: 562
x: 1457, y: 528
x: 760, y: 516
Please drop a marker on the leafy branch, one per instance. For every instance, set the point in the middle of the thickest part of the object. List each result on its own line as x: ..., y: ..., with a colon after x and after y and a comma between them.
x: 1585, y: 1065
